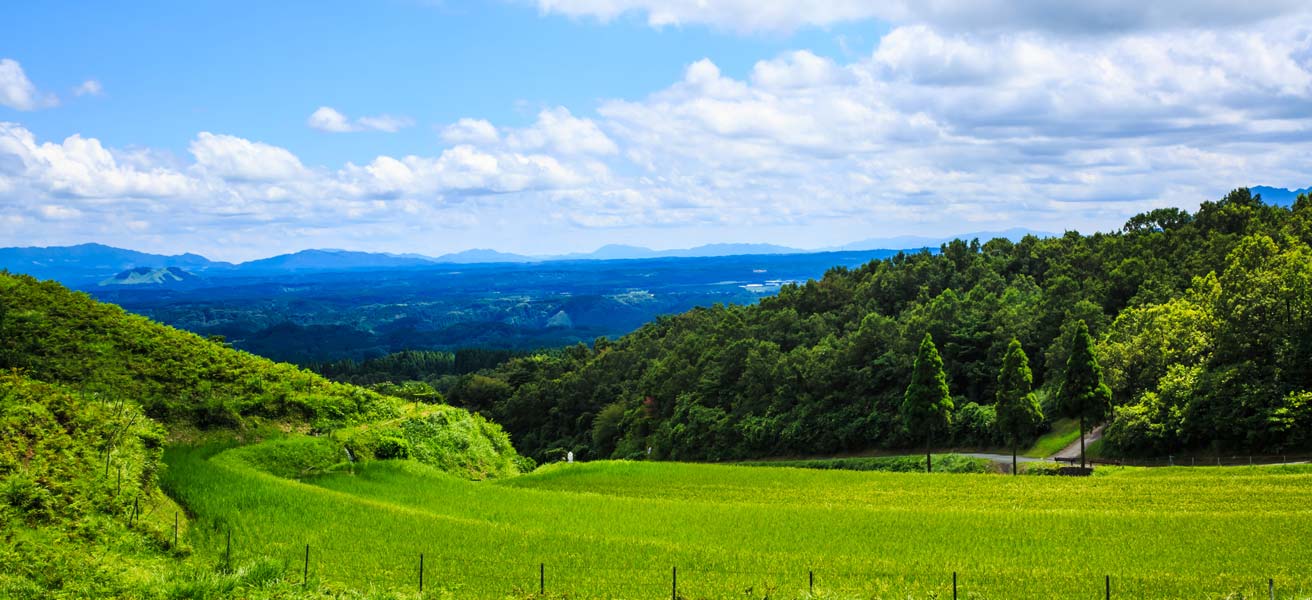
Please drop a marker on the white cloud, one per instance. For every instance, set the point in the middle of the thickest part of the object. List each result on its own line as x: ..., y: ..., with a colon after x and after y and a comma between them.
x: 328, y: 119
x: 80, y: 167
x: 17, y: 91
x: 90, y: 87
x: 935, y: 130
x: 1089, y: 17
x: 231, y: 157
x: 559, y: 131
x: 471, y: 131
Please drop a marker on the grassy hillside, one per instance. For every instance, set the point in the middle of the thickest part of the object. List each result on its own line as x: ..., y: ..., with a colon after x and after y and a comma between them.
x: 615, y: 529
x: 60, y: 336
x: 89, y: 398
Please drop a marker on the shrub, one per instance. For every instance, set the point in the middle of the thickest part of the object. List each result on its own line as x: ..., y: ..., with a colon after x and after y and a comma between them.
x: 392, y: 447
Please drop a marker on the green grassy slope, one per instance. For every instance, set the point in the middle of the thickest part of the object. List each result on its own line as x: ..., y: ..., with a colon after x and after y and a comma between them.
x: 88, y: 391
x: 1064, y: 432
x: 60, y: 336
x: 616, y: 529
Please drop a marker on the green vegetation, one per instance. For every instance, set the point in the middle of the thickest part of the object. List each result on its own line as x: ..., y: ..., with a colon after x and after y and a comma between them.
x: 88, y: 397
x: 1064, y: 433
x: 1082, y: 395
x: 615, y: 529
x: 927, y: 404
x: 59, y: 336
x: 946, y: 463
x: 1202, y: 324
x: 1019, y: 412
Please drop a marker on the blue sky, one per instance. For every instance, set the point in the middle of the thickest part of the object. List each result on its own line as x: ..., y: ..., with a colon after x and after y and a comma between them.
x: 244, y: 129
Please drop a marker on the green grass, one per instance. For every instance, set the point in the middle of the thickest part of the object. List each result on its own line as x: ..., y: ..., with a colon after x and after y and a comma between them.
x: 615, y: 529
x: 1064, y: 433
x: 944, y: 463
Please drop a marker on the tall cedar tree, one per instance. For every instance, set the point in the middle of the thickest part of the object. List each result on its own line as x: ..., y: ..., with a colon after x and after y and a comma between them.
x: 1083, y: 395
x: 1018, y: 408
x: 927, y: 405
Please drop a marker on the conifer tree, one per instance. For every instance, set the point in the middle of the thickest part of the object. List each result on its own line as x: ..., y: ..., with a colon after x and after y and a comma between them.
x: 927, y: 405
x: 1083, y: 394
x: 1017, y: 407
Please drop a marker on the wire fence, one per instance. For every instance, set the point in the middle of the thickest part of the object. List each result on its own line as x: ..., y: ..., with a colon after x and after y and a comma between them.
x: 1196, y: 460
x: 498, y: 577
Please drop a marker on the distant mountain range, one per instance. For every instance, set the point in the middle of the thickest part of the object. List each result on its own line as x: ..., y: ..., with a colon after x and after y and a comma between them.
x: 1279, y: 196
x: 97, y: 264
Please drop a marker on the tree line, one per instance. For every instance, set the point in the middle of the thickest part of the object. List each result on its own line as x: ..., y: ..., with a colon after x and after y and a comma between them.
x: 1200, y: 323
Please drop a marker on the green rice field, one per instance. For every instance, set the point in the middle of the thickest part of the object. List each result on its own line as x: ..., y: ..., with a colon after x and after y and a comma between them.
x: 619, y: 529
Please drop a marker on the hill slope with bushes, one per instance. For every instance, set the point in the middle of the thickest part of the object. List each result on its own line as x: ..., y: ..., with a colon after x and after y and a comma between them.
x: 1202, y: 323
x: 89, y: 397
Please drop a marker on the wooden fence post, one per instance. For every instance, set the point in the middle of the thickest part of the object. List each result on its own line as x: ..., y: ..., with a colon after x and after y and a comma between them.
x: 421, y: 572
x: 305, y: 575
x: 674, y: 583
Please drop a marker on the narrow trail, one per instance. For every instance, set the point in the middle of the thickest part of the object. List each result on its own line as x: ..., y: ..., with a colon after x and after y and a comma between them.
x: 1073, y: 450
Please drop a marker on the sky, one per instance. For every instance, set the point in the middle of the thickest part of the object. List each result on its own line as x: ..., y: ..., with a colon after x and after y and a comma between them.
x: 241, y: 130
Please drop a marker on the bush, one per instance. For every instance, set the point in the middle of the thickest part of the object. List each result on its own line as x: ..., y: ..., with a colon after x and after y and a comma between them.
x: 392, y: 447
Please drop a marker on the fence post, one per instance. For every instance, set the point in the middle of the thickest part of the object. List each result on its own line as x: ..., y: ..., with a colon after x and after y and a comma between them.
x: 810, y: 584
x: 954, y: 585
x: 421, y: 572
x: 305, y: 576
x: 542, y: 578
x: 674, y: 583
x: 1109, y: 587
x: 1271, y: 588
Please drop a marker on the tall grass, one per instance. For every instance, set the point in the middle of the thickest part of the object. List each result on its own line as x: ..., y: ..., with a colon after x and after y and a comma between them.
x: 615, y: 529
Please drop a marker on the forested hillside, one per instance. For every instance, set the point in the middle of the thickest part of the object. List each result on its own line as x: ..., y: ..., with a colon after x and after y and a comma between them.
x: 1201, y: 321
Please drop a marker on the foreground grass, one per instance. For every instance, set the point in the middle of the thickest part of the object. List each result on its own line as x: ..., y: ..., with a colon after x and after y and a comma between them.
x: 943, y: 463
x: 615, y: 530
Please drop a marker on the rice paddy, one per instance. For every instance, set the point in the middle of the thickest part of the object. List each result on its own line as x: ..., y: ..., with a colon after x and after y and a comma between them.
x: 620, y: 529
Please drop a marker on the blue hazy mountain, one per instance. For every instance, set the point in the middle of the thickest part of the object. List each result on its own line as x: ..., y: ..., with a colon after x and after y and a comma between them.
x: 621, y: 252
x: 330, y: 260
x: 91, y: 263
x: 1278, y: 196
x: 481, y: 255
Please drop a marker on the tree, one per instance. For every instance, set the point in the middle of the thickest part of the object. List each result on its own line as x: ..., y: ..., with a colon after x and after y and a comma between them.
x: 1018, y: 408
x: 1083, y: 395
x: 927, y: 405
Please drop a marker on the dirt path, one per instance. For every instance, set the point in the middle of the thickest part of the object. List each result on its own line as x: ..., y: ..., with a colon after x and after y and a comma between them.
x: 1072, y: 452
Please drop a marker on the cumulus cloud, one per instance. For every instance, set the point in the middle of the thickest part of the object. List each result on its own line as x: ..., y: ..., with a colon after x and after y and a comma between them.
x: 231, y: 157
x: 328, y: 119
x: 17, y: 91
x: 937, y: 128
x: 79, y: 167
x: 471, y: 131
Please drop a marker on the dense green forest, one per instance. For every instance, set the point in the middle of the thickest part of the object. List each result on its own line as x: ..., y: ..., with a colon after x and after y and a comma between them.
x: 1201, y: 324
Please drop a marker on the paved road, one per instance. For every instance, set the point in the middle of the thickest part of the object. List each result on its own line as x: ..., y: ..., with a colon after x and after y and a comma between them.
x: 1003, y: 458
